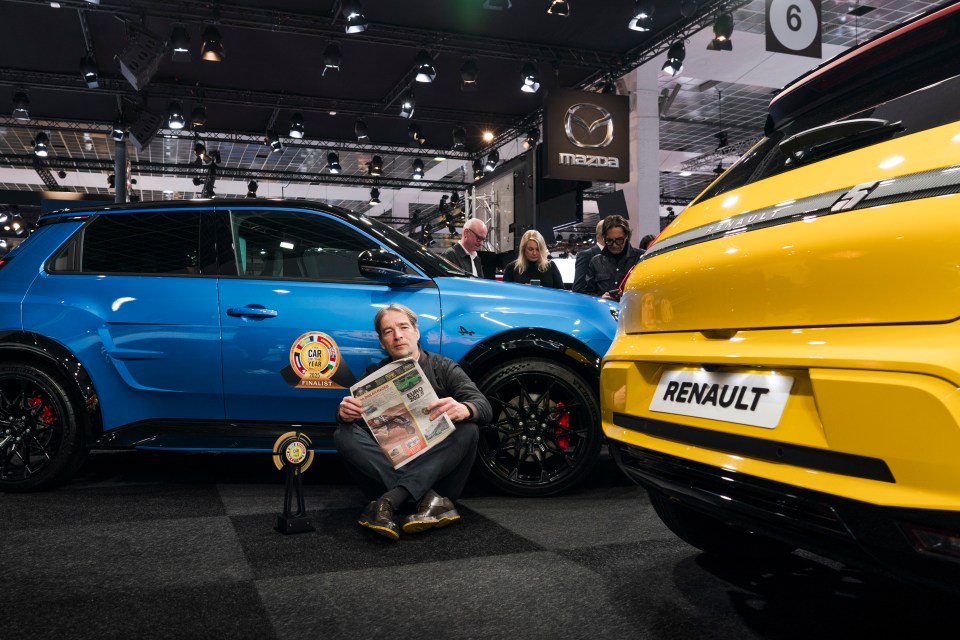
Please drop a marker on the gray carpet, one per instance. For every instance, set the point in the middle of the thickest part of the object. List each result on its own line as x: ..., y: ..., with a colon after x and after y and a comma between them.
x: 183, y: 546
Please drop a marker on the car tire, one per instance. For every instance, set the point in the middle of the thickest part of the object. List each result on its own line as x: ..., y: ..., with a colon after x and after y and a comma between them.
x: 545, y: 435
x: 41, y: 439
x: 714, y: 536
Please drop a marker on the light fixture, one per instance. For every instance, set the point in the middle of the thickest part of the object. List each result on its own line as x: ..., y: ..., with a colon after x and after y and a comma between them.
x: 198, y: 117
x: 531, y: 78
x: 274, y: 142
x: 531, y: 139
x: 425, y: 69
x: 493, y: 158
x: 374, y: 196
x: 415, y: 133
x: 200, y: 151
x: 642, y: 19
x: 407, y: 103
x: 688, y: 8
x: 608, y: 86
x: 252, y: 189
x: 722, y: 30
x: 477, y: 169
x: 361, y: 131
x: 175, y: 119
x: 459, y: 137
x: 417, y: 169
x: 41, y: 145
x: 353, y: 12
x: 333, y: 163
x: 296, y: 126
x: 212, y: 49
x: 559, y: 8
x: 469, y: 74
x: 488, y: 136
x: 722, y: 139
x: 376, y: 166
x: 21, y: 106
x: 331, y: 58
x: 119, y: 130
x: 180, y: 44
x: 88, y: 70
x: 675, y: 56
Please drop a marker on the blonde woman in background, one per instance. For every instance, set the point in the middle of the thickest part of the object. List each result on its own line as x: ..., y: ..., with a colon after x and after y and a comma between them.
x: 532, y: 265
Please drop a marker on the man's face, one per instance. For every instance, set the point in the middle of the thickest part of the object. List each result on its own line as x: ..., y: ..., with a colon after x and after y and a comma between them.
x: 615, y: 240
x: 399, y: 336
x: 473, y: 238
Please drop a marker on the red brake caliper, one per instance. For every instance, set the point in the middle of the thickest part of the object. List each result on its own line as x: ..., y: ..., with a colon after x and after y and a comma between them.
x: 562, y: 429
x: 46, y: 416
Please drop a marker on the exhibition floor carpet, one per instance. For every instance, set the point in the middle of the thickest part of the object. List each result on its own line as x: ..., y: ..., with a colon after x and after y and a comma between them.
x: 183, y: 546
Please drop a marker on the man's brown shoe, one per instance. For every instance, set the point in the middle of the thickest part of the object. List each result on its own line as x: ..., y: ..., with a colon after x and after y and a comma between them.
x: 434, y: 512
x: 378, y: 517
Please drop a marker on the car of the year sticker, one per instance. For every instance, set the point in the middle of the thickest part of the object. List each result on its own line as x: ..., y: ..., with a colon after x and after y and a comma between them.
x: 744, y: 398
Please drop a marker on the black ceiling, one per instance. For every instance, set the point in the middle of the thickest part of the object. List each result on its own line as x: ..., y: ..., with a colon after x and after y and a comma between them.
x: 273, y: 65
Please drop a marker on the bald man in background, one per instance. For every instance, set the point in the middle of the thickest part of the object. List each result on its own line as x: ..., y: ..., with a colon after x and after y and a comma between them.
x: 464, y: 253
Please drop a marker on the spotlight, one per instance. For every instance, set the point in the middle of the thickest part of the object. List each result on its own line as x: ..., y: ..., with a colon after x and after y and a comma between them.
x: 608, y: 86
x: 296, y: 126
x: 531, y: 139
x: 407, y: 102
x: 175, y: 118
x: 180, y: 44
x: 719, y: 168
x: 353, y: 12
x: 675, y: 56
x: 688, y: 8
x: 415, y: 133
x: 488, y: 136
x: 88, y: 69
x: 425, y: 69
x: 21, y: 106
x: 376, y: 166
x: 417, y: 169
x: 374, y: 196
x: 361, y: 131
x: 331, y: 58
x: 196, y: 181
x: 112, y: 181
x: 274, y: 142
x: 212, y: 49
x: 477, y: 169
x: 642, y: 19
x: 531, y: 78
x: 41, y: 145
x: 333, y: 163
x: 141, y: 56
x: 200, y: 152
x: 459, y: 137
x: 469, y: 73
x: 722, y: 30
x: 61, y: 174
x: 119, y: 131
x: 252, y: 189
x: 722, y: 139
x: 454, y: 199
x: 559, y: 8
x: 493, y: 158
x: 198, y: 117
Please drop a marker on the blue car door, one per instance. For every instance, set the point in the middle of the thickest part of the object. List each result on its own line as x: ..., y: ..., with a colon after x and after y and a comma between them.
x: 298, y: 318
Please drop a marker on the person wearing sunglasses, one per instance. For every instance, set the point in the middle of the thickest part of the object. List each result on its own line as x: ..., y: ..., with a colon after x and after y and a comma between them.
x: 607, y: 270
x: 464, y: 253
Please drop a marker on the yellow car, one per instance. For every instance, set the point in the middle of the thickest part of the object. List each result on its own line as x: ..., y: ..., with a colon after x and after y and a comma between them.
x: 786, y: 371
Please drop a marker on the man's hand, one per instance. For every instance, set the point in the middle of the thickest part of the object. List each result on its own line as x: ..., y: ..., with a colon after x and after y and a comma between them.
x: 456, y: 411
x: 350, y: 409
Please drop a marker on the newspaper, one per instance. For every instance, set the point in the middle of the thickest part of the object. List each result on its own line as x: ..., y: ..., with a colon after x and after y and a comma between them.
x: 395, y: 399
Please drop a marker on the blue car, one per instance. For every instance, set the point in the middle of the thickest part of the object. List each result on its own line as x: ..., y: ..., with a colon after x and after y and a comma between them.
x: 219, y: 326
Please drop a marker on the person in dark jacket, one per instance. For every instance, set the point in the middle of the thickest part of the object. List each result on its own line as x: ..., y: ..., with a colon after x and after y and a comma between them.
x: 464, y: 253
x: 434, y: 479
x: 583, y: 261
x: 532, y: 265
x: 607, y: 270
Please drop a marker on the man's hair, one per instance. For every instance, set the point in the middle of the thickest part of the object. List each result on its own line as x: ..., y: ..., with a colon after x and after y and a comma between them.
x: 600, y: 231
x: 522, y: 262
x: 473, y: 223
x: 613, y: 221
x: 646, y: 240
x: 394, y: 306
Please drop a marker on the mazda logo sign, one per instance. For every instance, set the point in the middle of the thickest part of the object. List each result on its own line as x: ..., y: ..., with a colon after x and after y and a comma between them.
x: 588, y: 126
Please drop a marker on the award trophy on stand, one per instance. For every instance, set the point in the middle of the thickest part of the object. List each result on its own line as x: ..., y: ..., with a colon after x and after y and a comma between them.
x: 292, y: 450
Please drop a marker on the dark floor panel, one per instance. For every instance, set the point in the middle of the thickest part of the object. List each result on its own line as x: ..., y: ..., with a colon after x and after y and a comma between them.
x: 224, y: 610
x: 339, y: 544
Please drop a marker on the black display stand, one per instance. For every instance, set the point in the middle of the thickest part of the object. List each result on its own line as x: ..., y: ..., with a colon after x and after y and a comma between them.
x: 292, y: 450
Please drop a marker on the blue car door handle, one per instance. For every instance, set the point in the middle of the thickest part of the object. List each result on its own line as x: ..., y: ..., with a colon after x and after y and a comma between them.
x: 252, y: 311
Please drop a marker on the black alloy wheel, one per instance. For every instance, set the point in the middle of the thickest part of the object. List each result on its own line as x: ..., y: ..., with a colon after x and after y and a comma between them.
x: 40, y: 440
x: 545, y: 435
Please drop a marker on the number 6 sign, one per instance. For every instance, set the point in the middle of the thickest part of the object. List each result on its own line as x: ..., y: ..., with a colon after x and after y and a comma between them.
x: 793, y: 26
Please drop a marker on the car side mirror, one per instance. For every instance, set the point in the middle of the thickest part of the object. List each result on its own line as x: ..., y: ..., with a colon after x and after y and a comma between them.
x: 385, y: 266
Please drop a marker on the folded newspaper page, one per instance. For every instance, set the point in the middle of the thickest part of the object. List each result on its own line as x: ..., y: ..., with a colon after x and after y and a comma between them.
x: 395, y: 399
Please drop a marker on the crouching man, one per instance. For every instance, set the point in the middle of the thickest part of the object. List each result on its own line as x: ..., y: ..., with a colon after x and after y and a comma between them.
x: 435, y: 479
